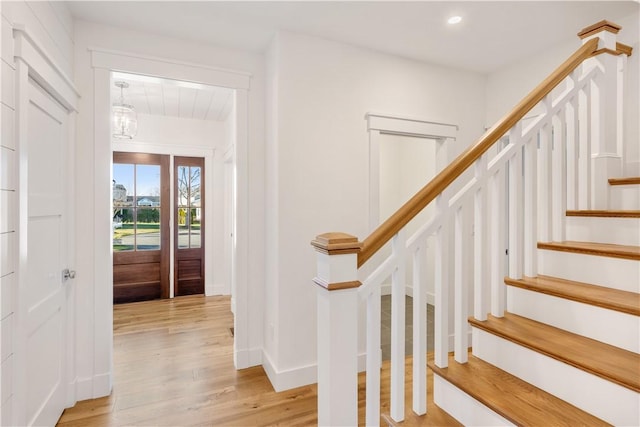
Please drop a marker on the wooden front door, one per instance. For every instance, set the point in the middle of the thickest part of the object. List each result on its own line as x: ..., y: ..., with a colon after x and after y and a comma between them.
x: 43, y: 300
x: 189, y: 226
x: 141, y: 204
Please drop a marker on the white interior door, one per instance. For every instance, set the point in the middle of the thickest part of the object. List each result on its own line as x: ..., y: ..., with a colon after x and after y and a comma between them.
x: 43, y: 299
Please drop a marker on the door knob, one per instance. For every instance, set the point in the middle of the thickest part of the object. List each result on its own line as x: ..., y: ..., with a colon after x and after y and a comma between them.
x: 68, y: 274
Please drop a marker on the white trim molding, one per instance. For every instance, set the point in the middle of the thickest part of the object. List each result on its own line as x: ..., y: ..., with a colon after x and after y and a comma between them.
x: 177, y: 70
x: 409, y: 126
x: 43, y: 68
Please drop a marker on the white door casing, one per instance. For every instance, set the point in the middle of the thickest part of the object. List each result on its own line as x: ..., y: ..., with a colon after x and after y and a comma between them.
x: 247, y: 351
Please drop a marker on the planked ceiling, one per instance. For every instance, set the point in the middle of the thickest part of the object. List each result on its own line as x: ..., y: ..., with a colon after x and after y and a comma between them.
x: 163, y: 97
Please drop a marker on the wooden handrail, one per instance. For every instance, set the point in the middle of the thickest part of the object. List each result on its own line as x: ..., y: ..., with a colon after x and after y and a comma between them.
x: 429, y: 192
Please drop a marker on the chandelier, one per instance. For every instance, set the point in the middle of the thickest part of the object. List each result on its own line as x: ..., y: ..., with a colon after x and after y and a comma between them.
x: 125, y: 119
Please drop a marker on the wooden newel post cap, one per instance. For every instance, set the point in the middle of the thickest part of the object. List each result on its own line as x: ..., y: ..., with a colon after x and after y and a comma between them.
x: 337, y: 243
x: 598, y: 27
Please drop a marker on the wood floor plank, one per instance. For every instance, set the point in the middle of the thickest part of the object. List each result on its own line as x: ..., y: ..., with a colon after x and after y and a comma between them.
x: 590, y: 248
x: 173, y: 365
x: 600, y: 296
x: 606, y: 361
x: 514, y: 399
x: 605, y: 213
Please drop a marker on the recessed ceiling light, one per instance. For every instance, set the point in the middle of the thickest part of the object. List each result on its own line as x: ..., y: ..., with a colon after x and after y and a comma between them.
x: 454, y: 20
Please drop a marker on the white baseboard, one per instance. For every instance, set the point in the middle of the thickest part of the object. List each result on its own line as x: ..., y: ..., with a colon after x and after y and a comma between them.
x: 211, y: 289
x: 248, y: 358
x: 93, y: 387
x: 102, y: 385
x: 282, y: 380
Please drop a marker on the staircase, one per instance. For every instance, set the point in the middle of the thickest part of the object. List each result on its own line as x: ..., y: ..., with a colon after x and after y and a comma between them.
x: 566, y: 351
x: 557, y: 341
x: 578, y: 320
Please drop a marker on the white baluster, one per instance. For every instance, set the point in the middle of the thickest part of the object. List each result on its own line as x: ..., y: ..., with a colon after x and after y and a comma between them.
x: 572, y: 151
x: 441, y: 331
x: 559, y: 178
x: 461, y: 340
x: 497, y: 242
x: 515, y: 204
x: 398, y: 285
x: 531, y: 208
x: 420, y: 330
x: 372, y: 412
x: 584, y: 182
x: 544, y: 176
x: 480, y: 304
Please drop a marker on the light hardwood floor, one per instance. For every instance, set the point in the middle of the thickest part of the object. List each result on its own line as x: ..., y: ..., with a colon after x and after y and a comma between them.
x: 173, y: 366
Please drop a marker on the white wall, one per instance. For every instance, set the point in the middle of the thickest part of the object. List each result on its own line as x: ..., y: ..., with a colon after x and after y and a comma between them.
x: 193, y: 138
x: 507, y: 86
x: 181, y: 132
x: 317, y: 157
x: 93, y: 334
x: 51, y: 24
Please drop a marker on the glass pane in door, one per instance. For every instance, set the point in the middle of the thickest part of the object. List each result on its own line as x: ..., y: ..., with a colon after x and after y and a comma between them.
x: 183, y: 228
x: 194, y: 184
x: 194, y: 240
x: 183, y: 186
x: 148, y: 229
x: 123, y: 193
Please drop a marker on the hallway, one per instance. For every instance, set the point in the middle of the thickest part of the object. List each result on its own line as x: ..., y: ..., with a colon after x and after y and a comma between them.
x: 173, y: 364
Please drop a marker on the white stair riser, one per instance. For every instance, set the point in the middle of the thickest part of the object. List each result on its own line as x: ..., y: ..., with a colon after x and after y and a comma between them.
x: 625, y: 197
x: 618, y: 231
x: 616, y: 273
x: 606, y: 400
x: 463, y: 407
x: 608, y: 326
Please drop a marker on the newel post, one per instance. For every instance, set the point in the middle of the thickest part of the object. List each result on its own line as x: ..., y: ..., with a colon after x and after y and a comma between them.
x: 606, y: 127
x: 337, y: 284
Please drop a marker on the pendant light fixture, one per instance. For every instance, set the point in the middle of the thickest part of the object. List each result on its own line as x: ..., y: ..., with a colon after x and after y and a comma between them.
x: 125, y: 119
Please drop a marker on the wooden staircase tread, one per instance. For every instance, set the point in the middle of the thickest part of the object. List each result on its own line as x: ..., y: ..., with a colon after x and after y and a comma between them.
x: 511, y: 397
x: 605, y: 213
x: 591, y: 248
x: 606, y: 361
x: 625, y: 181
x: 600, y: 296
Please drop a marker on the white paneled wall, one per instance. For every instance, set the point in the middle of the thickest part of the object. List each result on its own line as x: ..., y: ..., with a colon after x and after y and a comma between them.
x: 51, y: 26
x: 8, y: 210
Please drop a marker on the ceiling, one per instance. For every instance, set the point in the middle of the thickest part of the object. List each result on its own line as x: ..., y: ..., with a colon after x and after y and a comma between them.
x: 164, y: 97
x: 490, y: 36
